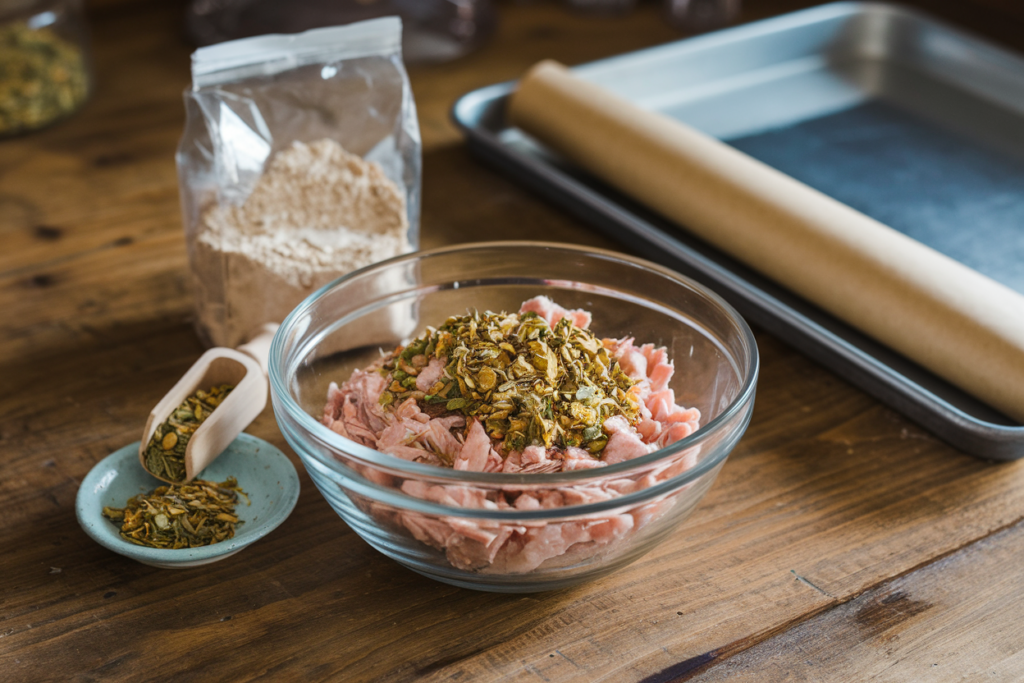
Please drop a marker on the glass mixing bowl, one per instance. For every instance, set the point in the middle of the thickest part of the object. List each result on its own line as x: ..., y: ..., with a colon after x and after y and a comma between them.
x: 457, y: 526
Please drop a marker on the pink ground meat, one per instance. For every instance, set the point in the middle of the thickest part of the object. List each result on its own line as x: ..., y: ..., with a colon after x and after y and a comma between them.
x: 353, y: 410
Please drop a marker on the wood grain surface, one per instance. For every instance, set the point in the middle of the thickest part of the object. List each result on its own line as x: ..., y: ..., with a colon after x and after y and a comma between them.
x: 840, y: 542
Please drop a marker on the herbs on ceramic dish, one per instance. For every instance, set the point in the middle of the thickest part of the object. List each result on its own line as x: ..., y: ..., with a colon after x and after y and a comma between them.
x: 175, y: 516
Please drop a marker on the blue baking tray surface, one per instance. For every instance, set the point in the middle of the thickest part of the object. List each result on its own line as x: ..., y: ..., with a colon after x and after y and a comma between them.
x: 903, y: 118
x: 875, y: 156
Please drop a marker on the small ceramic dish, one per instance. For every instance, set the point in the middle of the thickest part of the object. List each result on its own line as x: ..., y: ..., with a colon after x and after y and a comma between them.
x: 263, y: 472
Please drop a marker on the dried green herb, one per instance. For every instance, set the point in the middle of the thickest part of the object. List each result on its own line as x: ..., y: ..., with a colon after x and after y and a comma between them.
x: 165, y: 453
x: 42, y: 77
x: 180, y: 515
x: 527, y: 383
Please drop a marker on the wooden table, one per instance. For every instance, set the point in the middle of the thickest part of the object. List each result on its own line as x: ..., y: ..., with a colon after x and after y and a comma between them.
x: 841, y: 541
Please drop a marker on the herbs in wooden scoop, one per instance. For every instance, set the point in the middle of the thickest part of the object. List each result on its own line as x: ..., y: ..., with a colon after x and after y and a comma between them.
x: 180, y: 515
x: 165, y: 454
x: 527, y: 383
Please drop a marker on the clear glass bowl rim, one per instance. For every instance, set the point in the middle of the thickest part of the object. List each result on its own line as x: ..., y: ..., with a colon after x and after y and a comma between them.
x: 394, y: 465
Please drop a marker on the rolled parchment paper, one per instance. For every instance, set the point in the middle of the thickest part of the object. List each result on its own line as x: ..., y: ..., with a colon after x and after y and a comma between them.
x: 958, y: 323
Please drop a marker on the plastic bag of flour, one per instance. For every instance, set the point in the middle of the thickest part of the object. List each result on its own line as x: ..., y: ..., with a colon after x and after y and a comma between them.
x: 300, y: 162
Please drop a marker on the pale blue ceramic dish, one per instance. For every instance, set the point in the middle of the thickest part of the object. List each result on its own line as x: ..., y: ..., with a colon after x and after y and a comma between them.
x: 263, y: 472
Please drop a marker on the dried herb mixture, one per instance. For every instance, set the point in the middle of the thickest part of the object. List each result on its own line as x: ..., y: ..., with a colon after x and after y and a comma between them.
x: 180, y: 515
x: 165, y: 453
x: 42, y: 77
x: 528, y: 383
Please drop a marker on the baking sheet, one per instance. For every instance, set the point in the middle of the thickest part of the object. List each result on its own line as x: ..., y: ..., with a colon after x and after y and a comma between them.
x: 909, y: 121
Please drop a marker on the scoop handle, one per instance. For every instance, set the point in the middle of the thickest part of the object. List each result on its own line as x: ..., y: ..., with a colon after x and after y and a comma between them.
x: 258, y: 346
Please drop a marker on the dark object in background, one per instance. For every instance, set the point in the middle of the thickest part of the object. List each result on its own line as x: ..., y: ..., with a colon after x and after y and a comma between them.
x: 433, y: 30
x: 602, y: 6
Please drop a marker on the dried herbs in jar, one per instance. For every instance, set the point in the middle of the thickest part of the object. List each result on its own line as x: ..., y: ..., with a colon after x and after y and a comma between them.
x: 43, y: 76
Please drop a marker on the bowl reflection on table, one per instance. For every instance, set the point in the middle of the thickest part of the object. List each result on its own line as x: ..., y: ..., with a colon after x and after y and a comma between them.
x: 602, y: 518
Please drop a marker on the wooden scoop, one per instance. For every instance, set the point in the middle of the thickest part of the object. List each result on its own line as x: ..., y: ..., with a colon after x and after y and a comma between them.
x: 245, y: 369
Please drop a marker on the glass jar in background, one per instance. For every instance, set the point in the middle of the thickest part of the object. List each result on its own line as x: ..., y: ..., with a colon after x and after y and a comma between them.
x: 44, y: 63
x: 434, y: 31
x: 697, y: 16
